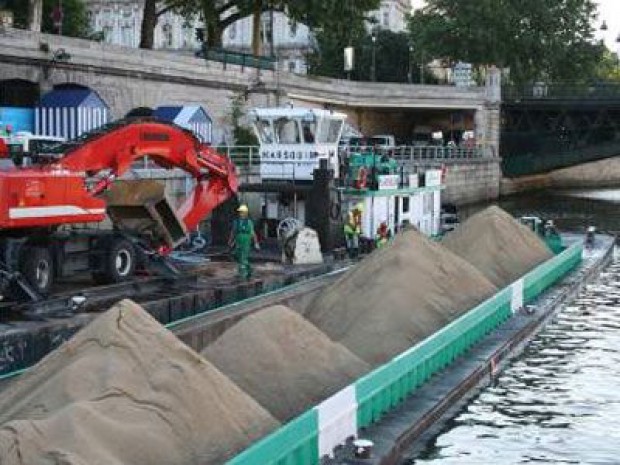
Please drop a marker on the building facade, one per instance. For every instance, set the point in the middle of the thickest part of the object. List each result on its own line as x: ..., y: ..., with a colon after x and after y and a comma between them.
x: 119, y: 22
x: 392, y: 15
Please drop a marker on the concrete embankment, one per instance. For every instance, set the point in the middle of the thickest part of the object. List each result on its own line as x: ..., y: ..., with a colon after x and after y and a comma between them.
x: 602, y: 173
x: 469, y: 181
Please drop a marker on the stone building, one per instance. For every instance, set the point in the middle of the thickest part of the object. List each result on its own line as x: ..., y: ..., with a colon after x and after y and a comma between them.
x: 120, y: 20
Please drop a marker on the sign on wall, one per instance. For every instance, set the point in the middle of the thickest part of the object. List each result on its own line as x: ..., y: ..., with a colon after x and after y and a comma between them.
x: 388, y: 181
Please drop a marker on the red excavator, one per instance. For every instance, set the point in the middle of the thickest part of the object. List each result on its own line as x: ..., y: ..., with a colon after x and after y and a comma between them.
x: 48, y: 204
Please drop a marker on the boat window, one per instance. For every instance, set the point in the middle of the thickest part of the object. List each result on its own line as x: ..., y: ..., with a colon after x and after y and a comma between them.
x: 333, y: 132
x: 309, y: 130
x: 405, y: 204
x: 265, y: 132
x: 329, y: 131
x: 287, y: 131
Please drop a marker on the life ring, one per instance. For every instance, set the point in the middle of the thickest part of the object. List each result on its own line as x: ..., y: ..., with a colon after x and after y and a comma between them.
x: 362, y: 178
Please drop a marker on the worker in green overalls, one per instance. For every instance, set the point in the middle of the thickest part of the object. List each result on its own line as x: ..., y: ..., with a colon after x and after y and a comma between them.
x: 241, y: 238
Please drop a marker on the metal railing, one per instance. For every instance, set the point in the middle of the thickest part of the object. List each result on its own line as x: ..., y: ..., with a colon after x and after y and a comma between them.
x: 247, y: 158
x: 412, y: 154
x: 561, y: 91
x: 246, y: 60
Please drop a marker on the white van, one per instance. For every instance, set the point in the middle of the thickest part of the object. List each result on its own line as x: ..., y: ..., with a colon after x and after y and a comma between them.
x: 23, y: 146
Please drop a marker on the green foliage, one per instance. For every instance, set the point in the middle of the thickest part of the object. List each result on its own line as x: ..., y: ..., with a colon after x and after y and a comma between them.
x: 393, y: 59
x: 535, y: 39
x: 608, y: 69
x: 242, y: 134
x: 333, y: 36
x: 75, y: 20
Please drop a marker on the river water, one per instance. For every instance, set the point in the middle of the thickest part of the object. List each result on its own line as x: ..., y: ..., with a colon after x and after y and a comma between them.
x: 559, y: 402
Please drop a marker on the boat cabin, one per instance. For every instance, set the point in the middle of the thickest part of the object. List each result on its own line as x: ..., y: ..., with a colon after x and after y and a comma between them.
x: 293, y: 141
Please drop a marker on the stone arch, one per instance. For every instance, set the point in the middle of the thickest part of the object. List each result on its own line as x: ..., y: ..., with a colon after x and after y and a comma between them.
x: 19, y: 93
x: 72, y: 85
x: 139, y: 112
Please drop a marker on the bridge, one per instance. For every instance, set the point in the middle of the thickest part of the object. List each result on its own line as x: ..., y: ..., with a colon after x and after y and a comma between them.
x: 128, y: 79
x: 548, y: 127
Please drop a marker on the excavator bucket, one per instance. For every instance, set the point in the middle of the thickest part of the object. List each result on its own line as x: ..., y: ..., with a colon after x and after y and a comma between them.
x: 141, y: 207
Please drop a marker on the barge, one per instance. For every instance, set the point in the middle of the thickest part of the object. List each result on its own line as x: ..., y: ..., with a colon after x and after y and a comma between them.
x: 400, y: 402
x: 394, y: 405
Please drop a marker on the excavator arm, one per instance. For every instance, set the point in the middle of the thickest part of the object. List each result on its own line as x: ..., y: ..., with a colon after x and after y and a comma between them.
x: 56, y: 193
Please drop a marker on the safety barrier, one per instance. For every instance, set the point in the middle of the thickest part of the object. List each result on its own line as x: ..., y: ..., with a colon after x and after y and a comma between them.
x: 315, y: 433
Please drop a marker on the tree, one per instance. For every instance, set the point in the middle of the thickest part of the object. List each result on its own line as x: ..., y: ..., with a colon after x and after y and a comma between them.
x: 332, y: 37
x: 75, y: 19
x: 608, y: 69
x: 151, y: 12
x: 219, y: 14
x: 534, y: 39
x: 74, y: 23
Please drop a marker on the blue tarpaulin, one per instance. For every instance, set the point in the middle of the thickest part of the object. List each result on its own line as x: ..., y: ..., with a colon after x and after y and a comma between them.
x: 192, y: 117
x: 20, y: 119
x: 70, y: 112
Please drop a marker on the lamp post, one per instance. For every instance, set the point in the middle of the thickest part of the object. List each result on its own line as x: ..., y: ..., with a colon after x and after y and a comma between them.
x: 410, y: 70
x: 373, y: 66
x: 422, y: 70
x: 618, y: 50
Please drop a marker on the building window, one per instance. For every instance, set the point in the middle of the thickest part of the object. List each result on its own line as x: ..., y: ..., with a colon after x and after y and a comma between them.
x: 167, y: 30
x: 267, y: 31
x: 232, y: 31
x: 293, y: 29
x: 127, y: 36
x: 107, y: 34
x: 187, y: 35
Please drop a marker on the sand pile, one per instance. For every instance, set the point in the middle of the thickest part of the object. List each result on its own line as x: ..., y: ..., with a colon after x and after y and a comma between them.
x: 283, y: 361
x: 398, y: 296
x: 125, y: 391
x: 498, y: 245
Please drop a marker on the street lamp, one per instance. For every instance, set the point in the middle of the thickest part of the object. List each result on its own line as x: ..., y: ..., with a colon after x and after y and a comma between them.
x: 410, y: 70
x: 618, y: 52
x: 373, y: 67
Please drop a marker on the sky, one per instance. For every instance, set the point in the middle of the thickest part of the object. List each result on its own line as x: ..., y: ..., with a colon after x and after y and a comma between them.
x: 609, y: 10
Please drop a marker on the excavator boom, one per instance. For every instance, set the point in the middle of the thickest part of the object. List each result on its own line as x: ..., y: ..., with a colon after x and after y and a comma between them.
x: 57, y: 193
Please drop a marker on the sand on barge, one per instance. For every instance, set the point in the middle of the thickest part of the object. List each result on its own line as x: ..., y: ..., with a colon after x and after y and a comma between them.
x: 401, y: 401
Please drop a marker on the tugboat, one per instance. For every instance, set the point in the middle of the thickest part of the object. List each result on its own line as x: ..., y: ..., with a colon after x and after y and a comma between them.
x: 299, y: 144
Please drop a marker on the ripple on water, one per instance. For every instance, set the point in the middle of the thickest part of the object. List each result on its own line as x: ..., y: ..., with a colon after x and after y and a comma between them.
x: 558, y: 403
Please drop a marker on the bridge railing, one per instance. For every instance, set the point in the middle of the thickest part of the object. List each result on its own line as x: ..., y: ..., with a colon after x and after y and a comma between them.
x: 561, y: 91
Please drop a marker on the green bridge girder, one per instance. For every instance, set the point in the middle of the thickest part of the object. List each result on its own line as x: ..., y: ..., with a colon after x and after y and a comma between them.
x: 550, y: 127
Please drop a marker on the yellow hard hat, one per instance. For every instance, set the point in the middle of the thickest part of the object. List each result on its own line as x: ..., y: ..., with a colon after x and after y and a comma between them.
x: 243, y: 209
x: 359, y: 207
